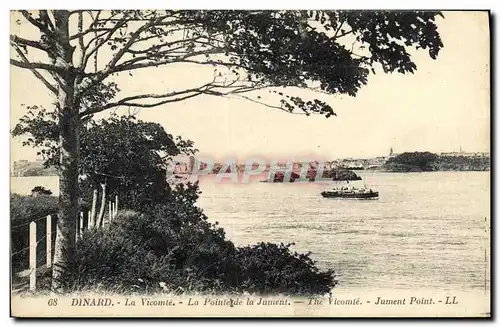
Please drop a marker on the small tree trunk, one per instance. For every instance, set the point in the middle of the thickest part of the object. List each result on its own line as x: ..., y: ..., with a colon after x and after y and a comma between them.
x: 93, y: 213
x: 103, y: 205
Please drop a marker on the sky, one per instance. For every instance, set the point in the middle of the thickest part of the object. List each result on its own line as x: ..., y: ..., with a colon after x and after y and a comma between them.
x: 443, y: 106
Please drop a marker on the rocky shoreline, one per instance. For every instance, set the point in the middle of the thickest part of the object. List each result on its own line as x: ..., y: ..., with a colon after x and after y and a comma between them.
x: 338, y: 174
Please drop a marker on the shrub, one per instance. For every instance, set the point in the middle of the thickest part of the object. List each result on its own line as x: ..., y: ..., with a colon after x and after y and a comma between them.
x: 274, y: 268
x: 40, y: 190
x: 173, y: 247
x: 173, y: 243
x: 28, y: 208
x: 23, y: 210
x: 421, y: 161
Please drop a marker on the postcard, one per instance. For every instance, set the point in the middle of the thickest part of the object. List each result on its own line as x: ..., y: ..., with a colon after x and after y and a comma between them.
x: 250, y: 163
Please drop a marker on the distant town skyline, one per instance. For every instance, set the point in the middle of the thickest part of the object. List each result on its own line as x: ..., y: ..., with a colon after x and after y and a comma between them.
x: 18, y: 167
x: 32, y: 157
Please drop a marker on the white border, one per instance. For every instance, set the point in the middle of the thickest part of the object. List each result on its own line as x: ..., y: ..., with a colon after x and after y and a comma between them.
x: 186, y: 4
x: 256, y: 4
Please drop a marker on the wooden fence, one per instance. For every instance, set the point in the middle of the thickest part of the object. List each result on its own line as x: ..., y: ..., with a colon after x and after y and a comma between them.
x: 84, y: 222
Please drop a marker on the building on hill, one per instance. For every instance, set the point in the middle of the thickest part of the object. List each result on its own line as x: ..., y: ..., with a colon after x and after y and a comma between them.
x: 465, y: 154
x: 181, y: 164
x: 24, y: 168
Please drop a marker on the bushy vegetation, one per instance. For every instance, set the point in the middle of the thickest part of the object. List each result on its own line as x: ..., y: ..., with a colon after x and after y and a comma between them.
x: 23, y: 210
x: 40, y: 190
x: 275, y: 268
x: 173, y: 248
x: 160, y: 241
x: 427, y: 161
x: 413, y: 161
x: 166, y: 246
x: 463, y: 163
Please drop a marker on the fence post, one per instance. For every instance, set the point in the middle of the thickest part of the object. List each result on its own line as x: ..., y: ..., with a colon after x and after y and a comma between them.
x: 81, y: 223
x: 90, y: 223
x: 32, y: 256
x: 116, y: 205
x: 94, y: 206
x: 110, y: 211
x: 48, y: 250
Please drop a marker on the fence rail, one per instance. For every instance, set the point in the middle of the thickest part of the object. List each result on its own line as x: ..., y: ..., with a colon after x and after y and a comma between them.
x: 85, y: 222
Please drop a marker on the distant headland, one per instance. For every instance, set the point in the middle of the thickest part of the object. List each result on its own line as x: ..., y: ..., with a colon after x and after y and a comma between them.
x: 427, y: 161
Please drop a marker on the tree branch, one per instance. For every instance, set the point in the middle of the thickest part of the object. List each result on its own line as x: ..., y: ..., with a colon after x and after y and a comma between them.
x: 80, y: 38
x: 205, y: 88
x: 117, y: 26
x: 343, y: 34
x: 338, y: 30
x: 137, y: 65
x: 210, y: 88
x: 34, y: 44
x: 126, y: 102
x: 133, y: 37
x: 44, y: 16
x: 52, y: 88
x: 35, y: 22
x: 151, y: 105
x: 157, y: 47
x: 36, y: 65
x: 87, y: 31
x: 268, y: 105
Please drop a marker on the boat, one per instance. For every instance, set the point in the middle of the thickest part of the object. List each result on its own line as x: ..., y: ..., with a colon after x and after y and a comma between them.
x: 350, y: 193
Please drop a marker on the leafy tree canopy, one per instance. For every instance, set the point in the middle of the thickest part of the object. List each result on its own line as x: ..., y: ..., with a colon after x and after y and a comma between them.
x: 125, y: 153
x: 326, y: 51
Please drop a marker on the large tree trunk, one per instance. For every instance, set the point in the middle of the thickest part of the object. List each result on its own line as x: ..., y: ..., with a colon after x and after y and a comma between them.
x: 68, y: 189
x: 68, y: 121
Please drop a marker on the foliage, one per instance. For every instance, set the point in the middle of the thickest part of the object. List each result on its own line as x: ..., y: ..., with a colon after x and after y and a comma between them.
x: 23, y: 210
x: 274, y: 268
x: 322, y: 50
x: 174, y: 248
x: 27, y: 208
x: 126, y: 154
x: 40, y: 127
x: 40, y: 190
x: 426, y: 161
x: 462, y: 163
x: 422, y: 161
x: 130, y: 157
